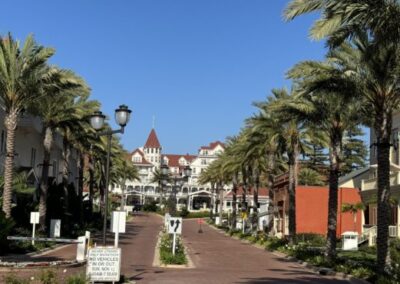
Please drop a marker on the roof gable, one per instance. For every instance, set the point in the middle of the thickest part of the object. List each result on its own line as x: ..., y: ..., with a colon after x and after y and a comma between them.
x: 152, y: 140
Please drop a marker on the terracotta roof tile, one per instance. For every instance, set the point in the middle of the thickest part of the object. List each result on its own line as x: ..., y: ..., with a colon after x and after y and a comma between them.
x: 212, y: 145
x: 152, y: 140
x: 143, y: 162
x: 173, y: 160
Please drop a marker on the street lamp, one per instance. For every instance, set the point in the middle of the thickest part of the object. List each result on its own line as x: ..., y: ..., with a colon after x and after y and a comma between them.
x: 178, y: 181
x: 122, y: 115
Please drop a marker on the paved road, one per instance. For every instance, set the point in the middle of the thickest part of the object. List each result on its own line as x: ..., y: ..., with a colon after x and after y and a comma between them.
x: 217, y: 258
x: 221, y: 259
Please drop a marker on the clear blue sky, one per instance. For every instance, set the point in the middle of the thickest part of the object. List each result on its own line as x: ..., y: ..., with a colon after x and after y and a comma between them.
x: 196, y: 65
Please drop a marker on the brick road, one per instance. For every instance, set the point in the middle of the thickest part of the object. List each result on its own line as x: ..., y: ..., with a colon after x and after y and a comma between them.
x: 217, y: 258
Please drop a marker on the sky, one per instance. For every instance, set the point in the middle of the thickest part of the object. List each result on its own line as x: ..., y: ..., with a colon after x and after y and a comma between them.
x: 192, y: 68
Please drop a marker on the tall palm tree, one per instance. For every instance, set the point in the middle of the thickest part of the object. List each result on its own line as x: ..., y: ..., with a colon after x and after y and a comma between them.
x: 333, y: 114
x: 23, y: 74
x: 292, y: 135
x: 376, y: 76
x: 60, y: 112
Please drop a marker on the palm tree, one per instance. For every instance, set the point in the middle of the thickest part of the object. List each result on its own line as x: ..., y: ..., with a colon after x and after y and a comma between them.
x: 291, y: 134
x: 333, y: 114
x: 308, y: 176
x: 23, y: 74
x: 60, y: 113
x: 375, y: 77
x: 125, y: 170
x: 341, y: 19
x: 353, y: 209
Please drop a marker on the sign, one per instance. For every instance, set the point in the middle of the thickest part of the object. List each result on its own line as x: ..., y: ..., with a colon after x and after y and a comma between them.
x: 118, y: 221
x: 175, y: 226
x: 55, y: 228
x: 166, y: 219
x: 104, y: 264
x: 34, y: 217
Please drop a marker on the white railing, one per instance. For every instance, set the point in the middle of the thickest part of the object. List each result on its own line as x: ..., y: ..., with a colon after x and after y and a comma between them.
x: 368, y: 184
x: 368, y: 234
x: 393, y: 231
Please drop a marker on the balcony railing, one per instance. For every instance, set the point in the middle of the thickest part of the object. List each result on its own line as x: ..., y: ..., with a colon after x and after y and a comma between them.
x: 369, y: 184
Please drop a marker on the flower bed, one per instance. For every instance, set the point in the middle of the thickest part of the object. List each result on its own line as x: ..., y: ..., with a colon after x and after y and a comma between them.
x: 165, y: 249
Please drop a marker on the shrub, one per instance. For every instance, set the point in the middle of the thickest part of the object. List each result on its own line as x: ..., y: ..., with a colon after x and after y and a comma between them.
x: 77, y: 279
x: 202, y: 214
x: 184, y: 212
x: 48, y: 277
x: 311, y: 239
x: 165, y: 248
x: 13, y: 279
x: 6, y: 225
x: 362, y: 272
x: 150, y: 207
x: 274, y: 243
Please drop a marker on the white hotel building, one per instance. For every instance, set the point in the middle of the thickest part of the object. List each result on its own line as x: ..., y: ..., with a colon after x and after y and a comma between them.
x: 191, y: 194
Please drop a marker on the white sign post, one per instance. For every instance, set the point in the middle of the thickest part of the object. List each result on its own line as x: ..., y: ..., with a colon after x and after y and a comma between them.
x: 174, y: 227
x: 55, y: 228
x: 34, y: 221
x: 118, y: 224
x: 166, y: 220
x: 104, y: 264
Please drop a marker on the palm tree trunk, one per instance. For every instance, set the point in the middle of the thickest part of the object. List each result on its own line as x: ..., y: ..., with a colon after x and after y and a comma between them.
x: 334, y: 170
x: 80, y: 187
x: 44, y: 183
x: 10, y: 123
x: 91, y: 183
x: 271, y: 166
x: 212, y: 202
x: 66, y: 155
x: 234, y: 202
x: 293, y: 165
x: 383, y: 152
x: 221, y: 201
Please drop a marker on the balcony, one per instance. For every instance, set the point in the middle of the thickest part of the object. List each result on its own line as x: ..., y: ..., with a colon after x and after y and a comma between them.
x: 369, y: 184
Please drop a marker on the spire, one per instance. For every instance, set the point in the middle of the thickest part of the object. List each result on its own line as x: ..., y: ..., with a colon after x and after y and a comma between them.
x: 152, y: 140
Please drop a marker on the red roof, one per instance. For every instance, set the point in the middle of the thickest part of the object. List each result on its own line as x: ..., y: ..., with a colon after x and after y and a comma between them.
x: 212, y: 145
x: 262, y: 191
x: 173, y: 160
x: 152, y: 140
x: 143, y: 162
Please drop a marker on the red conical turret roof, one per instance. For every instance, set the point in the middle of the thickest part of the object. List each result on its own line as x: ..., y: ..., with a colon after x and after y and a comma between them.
x: 152, y: 140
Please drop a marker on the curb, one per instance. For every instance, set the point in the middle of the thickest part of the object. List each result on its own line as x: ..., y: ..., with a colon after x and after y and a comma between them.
x: 324, y: 271
x: 157, y: 262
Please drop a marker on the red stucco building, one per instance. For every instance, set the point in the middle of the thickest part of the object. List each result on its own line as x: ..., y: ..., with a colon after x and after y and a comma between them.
x: 312, y: 209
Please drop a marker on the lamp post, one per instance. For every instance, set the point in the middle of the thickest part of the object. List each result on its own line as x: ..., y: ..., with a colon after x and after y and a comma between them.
x: 178, y: 181
x: 122, y: 115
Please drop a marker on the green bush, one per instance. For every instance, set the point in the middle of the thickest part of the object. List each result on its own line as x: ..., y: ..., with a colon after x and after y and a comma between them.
x: 184, y: 212
x: 6, y: 226
x: 274, y: 243
x: 362, y: 272
x: 202, y: 214
x: 311, y: 239
x: 150, y: 207
x: 11, y: 278
x: 77, y: 279
x: 165, y: 248
x: 48, y: 277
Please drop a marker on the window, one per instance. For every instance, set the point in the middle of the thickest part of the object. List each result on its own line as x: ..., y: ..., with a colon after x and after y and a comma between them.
x: 228, y: 204
x: 203, y: 161
x: 33, y: 157
x: 152, y: 159
x: 152, y: 150
x: 194, y: 170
